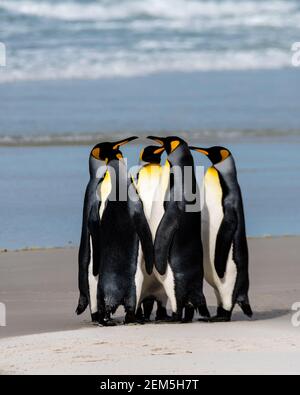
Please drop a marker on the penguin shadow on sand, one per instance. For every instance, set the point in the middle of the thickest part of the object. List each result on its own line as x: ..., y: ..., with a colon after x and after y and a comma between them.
x: 261, y: 315
x: 266, y: 315
x: 237, y: 316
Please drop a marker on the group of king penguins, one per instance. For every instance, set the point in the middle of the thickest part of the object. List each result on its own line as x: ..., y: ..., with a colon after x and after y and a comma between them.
x: 150, y: 248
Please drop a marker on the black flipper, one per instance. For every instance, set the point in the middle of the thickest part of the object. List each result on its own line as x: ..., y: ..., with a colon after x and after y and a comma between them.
x: 224, y: 240
x: 83, y: 265
x: 165, y: 235
x: 243, y: 302
x: 83, y: 303
x: 142, y: 228
x: 88, y: 232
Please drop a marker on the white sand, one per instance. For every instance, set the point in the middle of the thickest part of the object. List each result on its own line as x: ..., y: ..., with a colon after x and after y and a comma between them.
x: 39, y: 289
x: 268, y: 347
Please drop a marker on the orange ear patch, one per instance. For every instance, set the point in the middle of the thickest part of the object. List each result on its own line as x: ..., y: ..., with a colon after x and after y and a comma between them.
x: 224, y: 154
x: 174, y: 145
x: 96, y: 153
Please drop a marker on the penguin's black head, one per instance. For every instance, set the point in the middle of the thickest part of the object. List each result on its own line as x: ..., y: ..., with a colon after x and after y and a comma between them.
x: 109, y: 151
x: 215, y: 154
x: 152, y: 154
x: 170, y: 144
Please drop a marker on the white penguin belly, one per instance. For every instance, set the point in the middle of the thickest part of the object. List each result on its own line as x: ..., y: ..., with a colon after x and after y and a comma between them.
x: 151, y: 287
x: 93, y: 283
x: 168, y: 282
x: 149, y: 192
x: 148, y: 183
x: 158, y: 211
x: 212, y: 218
x: 139, y: 277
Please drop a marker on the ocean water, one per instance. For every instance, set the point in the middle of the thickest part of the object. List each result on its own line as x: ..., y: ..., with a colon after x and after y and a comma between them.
x: 223, y: 105
x: 83, y: 71
x: 42, y: 191
x: 79, y: 70
x: 58, y: 39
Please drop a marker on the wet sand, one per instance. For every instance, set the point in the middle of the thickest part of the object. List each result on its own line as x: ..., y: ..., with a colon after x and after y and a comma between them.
x: 40, y: 292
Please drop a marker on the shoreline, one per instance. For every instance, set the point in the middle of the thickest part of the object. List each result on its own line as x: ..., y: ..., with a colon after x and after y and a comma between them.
x: 44, y: 335
x: 75, y: 247
x: 208, y: 136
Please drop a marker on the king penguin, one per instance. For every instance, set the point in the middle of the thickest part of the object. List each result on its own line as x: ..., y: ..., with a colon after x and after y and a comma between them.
x: 178, y: 252
x: 224, y: 235
x: 89, y: 234
x: 148, y: 181
x: 123, y: 229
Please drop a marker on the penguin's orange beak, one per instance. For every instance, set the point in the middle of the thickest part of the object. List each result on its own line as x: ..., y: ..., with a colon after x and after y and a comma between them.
x: 159, y: 140
x: 124, y: 142
x: 159, y: 151
x: 201, y: 150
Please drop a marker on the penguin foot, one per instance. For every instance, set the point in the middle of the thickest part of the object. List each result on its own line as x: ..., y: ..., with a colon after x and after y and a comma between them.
x: 136, y: 323
x: 139, y: 314
x: 95, y: 317
x: 108, y: 323
x: 148, y: 306
x: 162, y: 315
x: 189, y: 314
x: 204, y: 312
x: 104, y: 319
x: 140, y: 319
x: 130, y: 318
x: 82, y: 305
x: 176, y: 318
x: 215, y: 319
x: 222, y: 316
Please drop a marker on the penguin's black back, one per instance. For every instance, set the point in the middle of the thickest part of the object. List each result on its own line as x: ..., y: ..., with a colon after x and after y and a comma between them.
x: 185, y: 252
x: 119, y: 254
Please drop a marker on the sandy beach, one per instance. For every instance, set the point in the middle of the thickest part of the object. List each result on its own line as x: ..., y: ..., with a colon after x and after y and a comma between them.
x: 76, y: 73
x: 43, y: 335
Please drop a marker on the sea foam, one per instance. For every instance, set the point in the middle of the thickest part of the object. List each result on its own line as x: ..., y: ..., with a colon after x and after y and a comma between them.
x: 69, y: 39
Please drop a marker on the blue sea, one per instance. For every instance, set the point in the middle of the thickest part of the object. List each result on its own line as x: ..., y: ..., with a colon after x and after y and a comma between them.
x: 82, y: 71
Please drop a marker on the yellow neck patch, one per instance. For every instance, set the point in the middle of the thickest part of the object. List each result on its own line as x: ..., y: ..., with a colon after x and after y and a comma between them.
x: 213, y: 174
x: 141, y: 155
x: 105, y: 187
